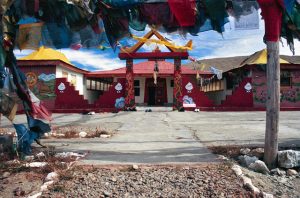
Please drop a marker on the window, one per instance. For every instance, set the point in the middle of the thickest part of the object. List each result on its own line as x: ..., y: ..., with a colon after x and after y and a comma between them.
x: 136, y: 83
x: 98, y: 85
x: 136, y: 91
x: 88, y: 84
x: 172, y: 83
x: 102, y: 84
x: 285, y: 78
x: 136, y: 88
x: 93, y: 85
x: 65, y: 74
x: 73, y: 80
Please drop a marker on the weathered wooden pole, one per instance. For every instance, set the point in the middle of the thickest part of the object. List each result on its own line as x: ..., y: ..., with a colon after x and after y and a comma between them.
x: 272, y: 14
x: 273, y: 104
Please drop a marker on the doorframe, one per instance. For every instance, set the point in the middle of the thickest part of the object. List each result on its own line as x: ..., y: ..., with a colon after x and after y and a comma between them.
x: 149, y: 80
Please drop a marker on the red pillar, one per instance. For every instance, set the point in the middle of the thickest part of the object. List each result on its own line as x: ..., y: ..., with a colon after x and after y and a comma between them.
x: 129, y: 86
x: 177, y: 91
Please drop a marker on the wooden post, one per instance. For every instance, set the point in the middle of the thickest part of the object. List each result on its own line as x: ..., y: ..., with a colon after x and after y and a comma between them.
x: 129, y: 86
x: 177, y: 90
x: 273, y: 104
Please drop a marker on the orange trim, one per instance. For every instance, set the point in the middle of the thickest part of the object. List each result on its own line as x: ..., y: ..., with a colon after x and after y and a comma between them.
x: 152, y: 32
x: 21, y: 26
x: 138, y: 45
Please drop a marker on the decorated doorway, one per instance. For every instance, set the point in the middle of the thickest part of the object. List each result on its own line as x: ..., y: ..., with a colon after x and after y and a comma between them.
x: 156, y: 94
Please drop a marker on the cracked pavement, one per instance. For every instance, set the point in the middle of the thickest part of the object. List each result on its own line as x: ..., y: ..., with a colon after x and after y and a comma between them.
x: 167, y: 137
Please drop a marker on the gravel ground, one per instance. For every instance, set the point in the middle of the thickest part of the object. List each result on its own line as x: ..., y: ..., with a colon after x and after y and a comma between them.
x: 279, y: 186
x: 214, y: 180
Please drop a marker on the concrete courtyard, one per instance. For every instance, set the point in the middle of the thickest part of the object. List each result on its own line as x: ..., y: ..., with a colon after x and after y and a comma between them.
x: 167, y: 137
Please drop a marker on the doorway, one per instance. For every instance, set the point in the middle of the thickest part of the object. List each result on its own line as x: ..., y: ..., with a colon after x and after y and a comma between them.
x: 156, y: 94
x: 151, y: 98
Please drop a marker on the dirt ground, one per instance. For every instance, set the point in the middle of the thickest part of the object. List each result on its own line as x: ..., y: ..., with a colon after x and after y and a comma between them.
x: 24, y: 184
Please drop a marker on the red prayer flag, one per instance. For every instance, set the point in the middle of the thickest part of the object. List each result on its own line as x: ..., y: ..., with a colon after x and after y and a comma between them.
x: 38, y: 108
x: 184, y: 11
x: 272, y: 14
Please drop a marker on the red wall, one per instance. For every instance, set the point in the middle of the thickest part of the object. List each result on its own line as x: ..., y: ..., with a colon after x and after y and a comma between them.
x: 69, y: 98
x: 108, y: 99
x: 290, y: 96
x: 199, y: 97
x: 240, y: 97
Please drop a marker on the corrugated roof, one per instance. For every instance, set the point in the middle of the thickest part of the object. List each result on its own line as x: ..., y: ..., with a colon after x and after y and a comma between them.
x: 224, y: 64
x: 46, y: 54
x: 291, y: 59
x: 144, y: 68
x: 230, y: 63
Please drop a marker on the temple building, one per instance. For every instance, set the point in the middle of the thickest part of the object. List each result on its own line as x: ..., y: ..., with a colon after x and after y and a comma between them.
x: 221, y: 84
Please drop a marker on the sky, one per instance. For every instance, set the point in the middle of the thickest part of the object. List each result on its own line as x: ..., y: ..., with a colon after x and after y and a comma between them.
x: 208, y: 44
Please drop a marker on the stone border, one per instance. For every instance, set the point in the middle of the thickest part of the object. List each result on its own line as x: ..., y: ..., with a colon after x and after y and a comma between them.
x: 247, y: 182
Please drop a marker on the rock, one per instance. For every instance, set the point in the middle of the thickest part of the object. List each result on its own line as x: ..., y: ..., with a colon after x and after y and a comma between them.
x: 267, y: 195
x: 60, y: 135
x: 82, y: 134
x: 106, y: 194
x: 222, y: 157
x: 36, y: 164
x: 237, y: 170
x: 40, y: 155
x: 6, y: 174
x: 260, y: 167
x: 69, y: 154
x: 29, y: 158
x: 258, y: 152
x: 44, y: 187
x: 35, y: 195
x: 51, y: 176
x: 104, y: 136
x: 291, y: 172
x: 246, y: 160
x: 277, y: 171
x: 289, y: 159
x: 248, y: 184
x: 245, y: 151
x: 135, y: 167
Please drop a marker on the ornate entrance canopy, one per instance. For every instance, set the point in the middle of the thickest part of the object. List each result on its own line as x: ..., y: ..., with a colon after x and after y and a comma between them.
x: 176, y: 52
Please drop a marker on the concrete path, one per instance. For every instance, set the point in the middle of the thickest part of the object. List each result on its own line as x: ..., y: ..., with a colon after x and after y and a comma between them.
x: 168, y: 137
x: 141, y: 138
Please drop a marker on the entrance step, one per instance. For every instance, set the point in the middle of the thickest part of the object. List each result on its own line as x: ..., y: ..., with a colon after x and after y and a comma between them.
x: 154, y: 109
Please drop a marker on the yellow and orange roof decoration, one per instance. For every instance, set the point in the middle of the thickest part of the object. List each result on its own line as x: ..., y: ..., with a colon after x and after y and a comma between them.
x: 44, y: 53
x: 260, y: 57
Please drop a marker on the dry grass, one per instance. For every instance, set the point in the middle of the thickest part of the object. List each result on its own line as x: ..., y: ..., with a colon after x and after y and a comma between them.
x: 228, y: 151
x: 73, y: 132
